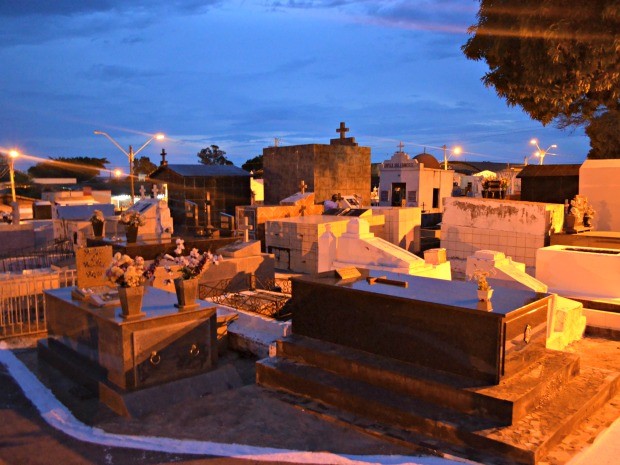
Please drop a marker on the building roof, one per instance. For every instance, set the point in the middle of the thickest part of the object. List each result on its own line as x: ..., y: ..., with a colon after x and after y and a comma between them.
x: 200, y: 170
x: 473, y: 167
x: 428, y: 160
x: 540, y: 171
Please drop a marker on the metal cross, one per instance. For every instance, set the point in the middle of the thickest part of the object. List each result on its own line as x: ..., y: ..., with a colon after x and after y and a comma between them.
x: 400, y: 146
x: 342, y: 130
x: 303, y: 186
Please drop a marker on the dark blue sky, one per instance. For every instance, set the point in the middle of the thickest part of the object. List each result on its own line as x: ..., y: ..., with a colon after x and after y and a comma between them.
x: 239, y: 73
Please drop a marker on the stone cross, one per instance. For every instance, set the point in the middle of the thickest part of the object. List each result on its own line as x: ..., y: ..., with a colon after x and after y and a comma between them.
x: 303, y: 186
x: 246, y: 228
x: 142, y: 192
x: 155, y: 191
x: 400, y: 146
x: 342, y: 130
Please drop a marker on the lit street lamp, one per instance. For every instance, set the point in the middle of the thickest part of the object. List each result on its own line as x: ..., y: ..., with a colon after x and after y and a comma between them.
x: 455, y: 151
x: 13, y: 154
x: 540, y: 152
x: 131, y: 154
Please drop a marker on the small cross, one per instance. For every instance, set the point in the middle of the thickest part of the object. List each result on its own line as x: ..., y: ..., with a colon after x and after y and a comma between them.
x: 303, y: 186
x: 400, y: 146
x: 342, y: 130
x: 142, y: 192
x: 246, y: 228
x: 155, y: 191
x: 163, y: 157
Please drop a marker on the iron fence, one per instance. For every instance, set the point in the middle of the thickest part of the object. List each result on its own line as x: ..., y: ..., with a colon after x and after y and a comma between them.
x: 266, y: 297
x: 22, y: 303
x: 36, y: 258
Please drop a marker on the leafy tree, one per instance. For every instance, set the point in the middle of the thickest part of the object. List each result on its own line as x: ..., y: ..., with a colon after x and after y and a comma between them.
x: 557, y: 59
x: 213, y: 156
x: 254, y: 164
x: 81, y: 168
x: 143, y: 165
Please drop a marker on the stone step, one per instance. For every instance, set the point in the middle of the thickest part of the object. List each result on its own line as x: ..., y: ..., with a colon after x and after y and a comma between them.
x: 476, y: 438
x: 506, y: 402
x: 446, y: 427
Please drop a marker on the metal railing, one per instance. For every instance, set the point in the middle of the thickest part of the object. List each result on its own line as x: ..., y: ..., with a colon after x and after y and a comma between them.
x: 34, y: 258
x: 22, y: 303
x: 267, y: 298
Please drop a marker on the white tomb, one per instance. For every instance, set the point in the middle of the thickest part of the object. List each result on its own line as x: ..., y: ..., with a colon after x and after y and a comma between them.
x: 158, y: 227
x: 360, y: 248
x: 599, y: 182
x: 414, y: 182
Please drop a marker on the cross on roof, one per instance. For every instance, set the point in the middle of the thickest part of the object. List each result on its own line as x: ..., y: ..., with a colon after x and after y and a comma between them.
x: 400, y: 146
x: 163, y: 157
x: 342, y: 130
x: 302, y: 187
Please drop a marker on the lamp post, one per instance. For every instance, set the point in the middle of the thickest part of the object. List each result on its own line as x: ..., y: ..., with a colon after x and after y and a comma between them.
x: 13, y: 154
x: 130, y: 155
x: 455, y: 151
x: 540, y: 152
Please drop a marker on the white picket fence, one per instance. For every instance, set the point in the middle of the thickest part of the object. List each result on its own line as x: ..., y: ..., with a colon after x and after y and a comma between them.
x: 22, y: 303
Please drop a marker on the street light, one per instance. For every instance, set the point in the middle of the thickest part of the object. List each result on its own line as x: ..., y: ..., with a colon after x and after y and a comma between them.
x: 13, y: 154
x: 131, y: 154
x: 540, y: 152
x: 455, y: 151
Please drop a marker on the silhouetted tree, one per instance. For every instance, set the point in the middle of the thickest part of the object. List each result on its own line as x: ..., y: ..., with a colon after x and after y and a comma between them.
x: 81, y: 168
x: 213, y: 156
x: 143, y: 165
x: 254, y: 164
x: 559, y: 60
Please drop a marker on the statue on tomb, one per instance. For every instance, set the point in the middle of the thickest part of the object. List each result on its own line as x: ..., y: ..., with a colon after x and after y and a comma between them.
x: 580, y: 215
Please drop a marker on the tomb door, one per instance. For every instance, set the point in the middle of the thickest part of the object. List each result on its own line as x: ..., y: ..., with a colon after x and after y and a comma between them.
x: 398, y: 193
x: 435, y: 197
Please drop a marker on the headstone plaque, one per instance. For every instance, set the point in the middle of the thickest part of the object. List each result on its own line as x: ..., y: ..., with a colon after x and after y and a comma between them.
x: 91, y: 264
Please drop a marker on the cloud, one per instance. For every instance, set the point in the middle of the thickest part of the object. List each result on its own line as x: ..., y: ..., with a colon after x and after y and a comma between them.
x: 118, y: 73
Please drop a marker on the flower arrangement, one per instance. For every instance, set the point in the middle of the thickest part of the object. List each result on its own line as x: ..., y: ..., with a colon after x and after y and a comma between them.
x: 132, y: 218
x: 481, y: 279
x: 125, y: 271
x: 194, y: 264
x: 97, y: 217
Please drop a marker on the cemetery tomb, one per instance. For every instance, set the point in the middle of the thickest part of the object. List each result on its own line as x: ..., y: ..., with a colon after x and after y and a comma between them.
x: 424, y: 361
x: 517, y: 229
x: 114, y: 356
x: 341, y: 166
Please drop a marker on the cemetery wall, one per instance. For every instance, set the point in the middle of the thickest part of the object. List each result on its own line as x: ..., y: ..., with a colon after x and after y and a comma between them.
x: 16, y: 237
x: 599, y: 182
x: 518, y: 229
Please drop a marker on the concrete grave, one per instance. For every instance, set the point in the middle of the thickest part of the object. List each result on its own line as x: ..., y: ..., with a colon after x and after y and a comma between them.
x: 517, y: 229
x: 420, y: 358
x: 599, y: 181
x: 158, y: 227
x: 114, y: 356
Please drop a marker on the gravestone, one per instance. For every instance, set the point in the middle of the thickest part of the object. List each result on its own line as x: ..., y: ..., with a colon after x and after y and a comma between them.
x: 91, y: 264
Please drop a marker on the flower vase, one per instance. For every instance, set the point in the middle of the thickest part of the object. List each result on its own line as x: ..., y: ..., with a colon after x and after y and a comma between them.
x: 486, y: 295
x: 187, y: 293
x: 131, y: 302
x: 131, y: 232
x: 98, y: 228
